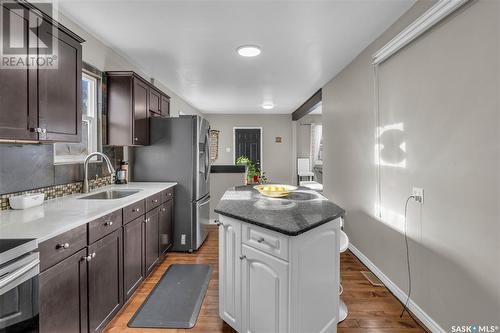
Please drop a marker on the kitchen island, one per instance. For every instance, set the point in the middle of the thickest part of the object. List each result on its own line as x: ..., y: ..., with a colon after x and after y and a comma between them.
x: 278, y: 261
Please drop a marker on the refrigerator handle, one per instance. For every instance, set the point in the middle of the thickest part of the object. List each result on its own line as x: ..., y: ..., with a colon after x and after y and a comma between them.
x: 204, y: 203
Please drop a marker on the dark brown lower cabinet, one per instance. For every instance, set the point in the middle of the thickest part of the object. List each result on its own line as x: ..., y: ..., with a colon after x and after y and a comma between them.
x: 133, y: 255
x: 151, y: 245
x: 165, y: 226
x: 63, y: 296
x: 105, y: 280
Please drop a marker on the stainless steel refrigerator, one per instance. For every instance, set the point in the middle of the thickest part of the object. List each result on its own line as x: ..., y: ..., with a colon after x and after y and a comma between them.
x: 179, y: 152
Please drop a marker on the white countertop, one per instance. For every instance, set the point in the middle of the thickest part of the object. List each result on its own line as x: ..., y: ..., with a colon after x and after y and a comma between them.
x: 59, y: 215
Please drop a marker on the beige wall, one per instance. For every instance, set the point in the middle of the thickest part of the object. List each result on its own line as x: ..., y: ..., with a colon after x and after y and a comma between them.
x: 276, y: 157
x: 104, y: 58
x: 444, y: 89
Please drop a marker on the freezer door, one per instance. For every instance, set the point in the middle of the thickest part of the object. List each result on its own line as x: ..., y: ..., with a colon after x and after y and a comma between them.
x: 203, y: 174
x: 202, y: 220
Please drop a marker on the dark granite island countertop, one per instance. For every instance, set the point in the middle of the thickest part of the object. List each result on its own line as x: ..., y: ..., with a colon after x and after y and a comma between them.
x: 299, y: 212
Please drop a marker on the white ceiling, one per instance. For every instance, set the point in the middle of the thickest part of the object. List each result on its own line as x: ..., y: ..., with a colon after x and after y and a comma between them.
x: 190, y: 45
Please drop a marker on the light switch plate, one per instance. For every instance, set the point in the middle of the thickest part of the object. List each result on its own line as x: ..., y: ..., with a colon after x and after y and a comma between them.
x: 228, y: 150
x: 418, y: 193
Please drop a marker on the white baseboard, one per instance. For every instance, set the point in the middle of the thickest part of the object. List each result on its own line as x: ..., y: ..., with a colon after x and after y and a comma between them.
x: 401, y: 295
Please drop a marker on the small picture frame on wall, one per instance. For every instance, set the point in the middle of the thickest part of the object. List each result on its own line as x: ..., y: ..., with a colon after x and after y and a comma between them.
x: 278, y: 139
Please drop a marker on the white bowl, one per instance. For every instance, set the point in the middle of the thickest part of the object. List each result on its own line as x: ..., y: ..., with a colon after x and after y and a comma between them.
x: 26, y: 200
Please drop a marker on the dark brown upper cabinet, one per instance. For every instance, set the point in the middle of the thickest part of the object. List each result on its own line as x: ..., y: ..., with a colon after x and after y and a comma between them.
x: 165, y: 106
x: 131, y: 101
x: 38, y: 102
x: 154, y: 101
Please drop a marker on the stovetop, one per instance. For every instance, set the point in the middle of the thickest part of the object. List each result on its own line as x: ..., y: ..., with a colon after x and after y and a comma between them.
x: 13, y: 248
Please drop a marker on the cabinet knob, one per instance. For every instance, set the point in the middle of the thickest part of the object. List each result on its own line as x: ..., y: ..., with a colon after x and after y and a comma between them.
x: 218, y: 223
x: 243, y: 257
x: 63, y: 246
x: 136, y: 210
x: 87, y: 258
x: 260, y: 240
x: 163, y: 210
x: 44, y: 130
x: 93, y: 255
x: 109, y: 223
x: 136, y: 139
x: 155, y: 200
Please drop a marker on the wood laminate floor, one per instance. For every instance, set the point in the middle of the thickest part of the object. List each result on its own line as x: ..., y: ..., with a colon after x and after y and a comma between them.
x: 371, y: 309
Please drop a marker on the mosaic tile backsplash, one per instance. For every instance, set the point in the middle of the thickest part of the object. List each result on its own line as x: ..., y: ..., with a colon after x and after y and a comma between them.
x: 57, y: 191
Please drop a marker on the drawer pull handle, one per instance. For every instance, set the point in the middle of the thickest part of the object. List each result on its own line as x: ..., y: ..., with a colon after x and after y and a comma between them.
x: 136, y: 210
x: 63, y: 246
x: 155, y: 200
x: 109, y: 223
x: 261, y: 240
x: 243, y: 257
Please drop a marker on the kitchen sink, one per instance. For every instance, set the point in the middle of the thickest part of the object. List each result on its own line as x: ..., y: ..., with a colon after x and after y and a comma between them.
x: 110, y: 194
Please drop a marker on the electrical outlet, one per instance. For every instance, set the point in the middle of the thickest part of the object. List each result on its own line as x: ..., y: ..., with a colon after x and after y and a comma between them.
x: 183, y: 239
x: 228, y: 150
x: 418, y: 193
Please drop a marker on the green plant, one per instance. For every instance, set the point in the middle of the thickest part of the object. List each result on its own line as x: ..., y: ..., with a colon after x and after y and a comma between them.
x: 252, y: 172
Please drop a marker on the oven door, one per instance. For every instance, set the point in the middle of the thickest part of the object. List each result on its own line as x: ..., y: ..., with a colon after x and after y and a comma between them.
x: 19, y: 295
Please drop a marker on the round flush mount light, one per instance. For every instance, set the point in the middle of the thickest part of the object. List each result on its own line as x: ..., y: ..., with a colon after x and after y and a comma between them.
x: 268, y: 106
x: 248, y: 50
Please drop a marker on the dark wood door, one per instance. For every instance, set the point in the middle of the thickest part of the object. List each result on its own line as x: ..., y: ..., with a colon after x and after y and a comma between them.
x: 154, y: 101
x: 165, y: 106
x: 18, y: 92
x: 165, y: 226
x: 63, y: 296
x: 105, y: 280
x: 151, y: 230
x: 141, y: 111
x: 247, y: 143
x: 133, y: 255
x: 59, y: 89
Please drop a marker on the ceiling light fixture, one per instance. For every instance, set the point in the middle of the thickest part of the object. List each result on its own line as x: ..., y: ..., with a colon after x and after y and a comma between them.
x: 249, y: 51
x: 268, y: 106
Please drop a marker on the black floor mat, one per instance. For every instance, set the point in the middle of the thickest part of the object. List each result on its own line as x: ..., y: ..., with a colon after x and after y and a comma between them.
x: 176, y: 300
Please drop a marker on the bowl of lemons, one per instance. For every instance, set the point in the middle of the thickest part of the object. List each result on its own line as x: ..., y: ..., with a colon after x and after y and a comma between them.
x: 275, y: 190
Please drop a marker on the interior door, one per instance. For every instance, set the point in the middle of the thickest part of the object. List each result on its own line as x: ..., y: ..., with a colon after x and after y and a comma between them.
x: 203, y: 177
x: 247, y: 143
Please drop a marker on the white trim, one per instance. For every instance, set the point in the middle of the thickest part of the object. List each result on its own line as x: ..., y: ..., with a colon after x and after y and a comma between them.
x: 401, y: 295
x: 261, y: 144
x: 433, y: 15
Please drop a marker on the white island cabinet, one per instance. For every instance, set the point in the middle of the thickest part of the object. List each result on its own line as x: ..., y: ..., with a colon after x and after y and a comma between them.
x: 271, y: 282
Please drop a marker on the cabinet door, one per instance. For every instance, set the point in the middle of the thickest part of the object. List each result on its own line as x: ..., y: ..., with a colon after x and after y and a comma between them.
x: 141, y: 110
x: 105, y: 282
x: 264, y: 292
x: 63, y: 296
x: 165, y: 226
x: 165, y: 106
x: 18, y: 92
x: 59, y: 89
x: 154, y: 101
x: 133, y: 256
x: 229, y: 272
x: 151, y: 232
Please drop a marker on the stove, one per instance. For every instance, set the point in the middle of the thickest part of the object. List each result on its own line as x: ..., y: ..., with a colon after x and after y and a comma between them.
x: 19, y: 269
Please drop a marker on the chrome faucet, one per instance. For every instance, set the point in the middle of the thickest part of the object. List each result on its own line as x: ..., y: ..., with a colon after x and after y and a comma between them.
x: 86, y: 169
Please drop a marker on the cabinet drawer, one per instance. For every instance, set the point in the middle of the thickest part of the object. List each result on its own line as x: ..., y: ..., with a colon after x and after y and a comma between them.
x: 168, y: 194
x: 133, y: 211
x: 266, y: 241
x: 104, y: 225
x: 153, y: 201
x: 62, y: 246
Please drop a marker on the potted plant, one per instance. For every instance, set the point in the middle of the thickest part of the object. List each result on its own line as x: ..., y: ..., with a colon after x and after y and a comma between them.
x: 253, y: 175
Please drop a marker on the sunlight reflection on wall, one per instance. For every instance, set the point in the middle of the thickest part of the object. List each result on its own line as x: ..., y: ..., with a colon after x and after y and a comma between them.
x: 390, y: 149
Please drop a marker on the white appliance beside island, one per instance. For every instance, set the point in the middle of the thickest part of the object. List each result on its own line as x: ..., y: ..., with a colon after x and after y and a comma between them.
x: 278, y: 261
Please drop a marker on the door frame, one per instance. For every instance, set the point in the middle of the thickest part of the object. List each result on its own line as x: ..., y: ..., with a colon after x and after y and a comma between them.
x: 261, y: 145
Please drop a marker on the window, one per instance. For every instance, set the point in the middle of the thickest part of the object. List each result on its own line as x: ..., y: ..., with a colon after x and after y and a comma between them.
x: 65, y: 153
x: 317, y: 144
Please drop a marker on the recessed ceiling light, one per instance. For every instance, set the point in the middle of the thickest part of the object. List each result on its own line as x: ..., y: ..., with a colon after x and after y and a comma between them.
x: 248, y: 51
x: 268, y: 106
